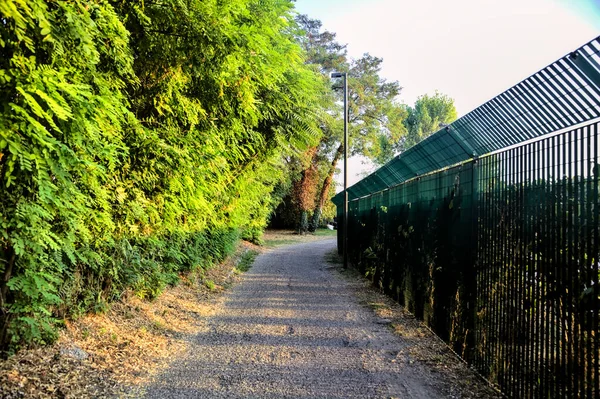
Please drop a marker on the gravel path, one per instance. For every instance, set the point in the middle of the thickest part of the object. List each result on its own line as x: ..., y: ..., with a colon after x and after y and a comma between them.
x: 293, y: 329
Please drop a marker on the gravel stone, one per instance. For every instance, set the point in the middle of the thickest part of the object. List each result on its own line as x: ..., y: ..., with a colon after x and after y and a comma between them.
x: 75, y: 352
x: 293, y: 328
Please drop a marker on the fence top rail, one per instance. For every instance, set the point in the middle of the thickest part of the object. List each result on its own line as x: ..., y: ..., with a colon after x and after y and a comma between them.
x: 561, y: 95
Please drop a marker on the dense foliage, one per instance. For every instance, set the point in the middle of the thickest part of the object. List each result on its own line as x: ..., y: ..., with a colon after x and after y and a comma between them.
x: 138, y: 140
x: 372, y: 112
x: 429, y: 114
x: 379, y: 126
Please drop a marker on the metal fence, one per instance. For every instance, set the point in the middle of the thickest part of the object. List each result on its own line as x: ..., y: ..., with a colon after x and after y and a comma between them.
x: 499, y: 256
x: 561, y: 95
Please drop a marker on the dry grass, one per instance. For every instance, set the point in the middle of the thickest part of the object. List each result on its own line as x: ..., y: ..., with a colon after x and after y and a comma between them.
x: 275, y: 238
x: 421, y: 344
x: 124, y: 347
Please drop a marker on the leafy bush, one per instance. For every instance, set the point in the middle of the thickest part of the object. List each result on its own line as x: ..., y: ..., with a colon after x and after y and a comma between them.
x: 137, y: 141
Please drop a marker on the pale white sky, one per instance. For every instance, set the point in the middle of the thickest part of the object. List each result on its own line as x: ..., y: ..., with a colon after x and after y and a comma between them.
x: 471, y: 50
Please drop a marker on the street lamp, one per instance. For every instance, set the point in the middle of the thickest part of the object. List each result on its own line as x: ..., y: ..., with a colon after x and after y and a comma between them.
x: 345, y: 241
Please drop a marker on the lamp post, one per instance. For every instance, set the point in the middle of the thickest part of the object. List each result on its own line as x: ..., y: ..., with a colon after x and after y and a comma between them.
x: 345, y: 232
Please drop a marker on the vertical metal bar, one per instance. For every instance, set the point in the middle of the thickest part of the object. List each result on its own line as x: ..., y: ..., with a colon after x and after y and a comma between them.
x: 576, y: 258
x: 345, y: 75
x: 588, y: 256
x: 498, y: 269
x: 550, y: 264
x: 515, y: 271
x: 518, y: 284
x: 486, y: 251
x: 511, y: 269
x: 564, y: 262
x: 581, y: 261
x: 581, y: 275
x: 533, y: 271
x: 482, y: 283
x: 480, y: 326
x: 490, y: 228
x: 572, y: 195
x: 560, y: 258
x: 492, y: 231
x: 496, y: 262
x: 562, y: 211
x: 490, y: 325
x: 527, y: 228
x: 475, y: 271
x: 542, y: 269
x: 530, y: 268
x: 570, y: 266
x: 522, y: 271
x: 545, y: 270
x: 512, y: 254
x: 525, y: 267
x: 505, y: 269
x: 596, y: 272
x: 538, y: 277
x: 556, y: 266
x: 582, y: 238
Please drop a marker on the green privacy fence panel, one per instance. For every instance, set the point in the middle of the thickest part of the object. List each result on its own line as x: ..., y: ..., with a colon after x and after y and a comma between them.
x: 414, y: 240
x: 537, y: 267
x: 499, y: 256
x: 563, y: 94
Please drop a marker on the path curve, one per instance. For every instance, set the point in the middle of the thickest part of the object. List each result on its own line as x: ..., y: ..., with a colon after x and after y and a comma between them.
x: 294, y: 329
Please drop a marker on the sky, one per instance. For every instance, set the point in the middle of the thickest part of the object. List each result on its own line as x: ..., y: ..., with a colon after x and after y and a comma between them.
x: 471, y: 50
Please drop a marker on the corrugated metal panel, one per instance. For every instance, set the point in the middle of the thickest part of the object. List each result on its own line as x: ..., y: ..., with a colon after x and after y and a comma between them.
x: 565, y: 93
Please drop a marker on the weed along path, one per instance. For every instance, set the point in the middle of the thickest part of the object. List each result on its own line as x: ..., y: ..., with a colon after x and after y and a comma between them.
x: 295, y: 327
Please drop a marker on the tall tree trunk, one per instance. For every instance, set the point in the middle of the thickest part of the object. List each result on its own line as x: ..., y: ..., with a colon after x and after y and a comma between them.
x: 9, y: 259
x: 325, y: 189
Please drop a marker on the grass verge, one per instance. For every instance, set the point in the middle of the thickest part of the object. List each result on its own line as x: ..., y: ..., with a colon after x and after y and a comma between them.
x: 326, y: 233
x: 277, y: 238
x: 115, y: 353
x: 246, y: 260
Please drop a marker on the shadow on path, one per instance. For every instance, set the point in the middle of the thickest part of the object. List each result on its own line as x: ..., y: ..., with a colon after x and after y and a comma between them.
x: 294, y: 329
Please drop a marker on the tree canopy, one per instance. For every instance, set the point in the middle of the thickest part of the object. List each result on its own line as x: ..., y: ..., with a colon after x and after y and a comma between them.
x: 372, y: 113
x: 380, y: 126
x: 137, y: 141
x: 427, y: 116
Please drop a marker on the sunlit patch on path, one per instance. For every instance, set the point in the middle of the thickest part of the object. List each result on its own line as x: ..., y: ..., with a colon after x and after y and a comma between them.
x: 294, y: 328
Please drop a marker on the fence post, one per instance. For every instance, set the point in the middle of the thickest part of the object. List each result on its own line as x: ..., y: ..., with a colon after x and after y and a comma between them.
x: 472, y: 266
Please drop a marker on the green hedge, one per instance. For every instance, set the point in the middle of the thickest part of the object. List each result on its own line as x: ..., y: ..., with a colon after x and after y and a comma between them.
x: 138, y: 140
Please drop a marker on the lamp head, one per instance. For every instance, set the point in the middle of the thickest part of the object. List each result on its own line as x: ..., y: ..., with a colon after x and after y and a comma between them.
x: 338, y: 74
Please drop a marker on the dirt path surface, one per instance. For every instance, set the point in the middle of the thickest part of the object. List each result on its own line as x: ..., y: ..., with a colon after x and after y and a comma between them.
x: 295, y: 329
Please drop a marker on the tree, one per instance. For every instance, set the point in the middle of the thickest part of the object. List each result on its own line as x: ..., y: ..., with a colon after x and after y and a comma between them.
x: 372, y: 115
x: 429, y: 114
x: 321, y: 47
x: 372, y: 112
x: 138, y: 140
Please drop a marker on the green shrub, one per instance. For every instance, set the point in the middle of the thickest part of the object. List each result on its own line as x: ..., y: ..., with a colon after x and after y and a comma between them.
x: 137, y: 141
